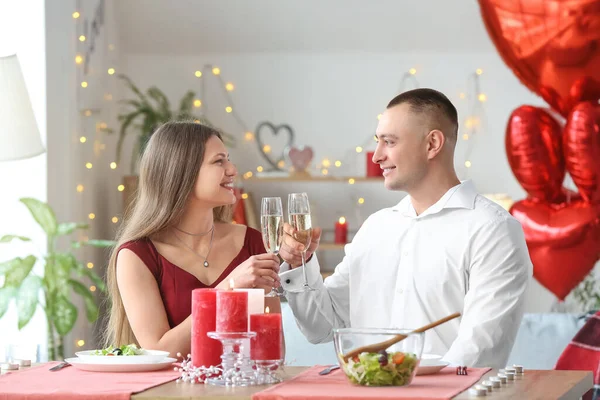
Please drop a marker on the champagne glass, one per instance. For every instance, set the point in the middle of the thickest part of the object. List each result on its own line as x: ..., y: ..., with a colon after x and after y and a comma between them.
x: 271, y: 221
x: 299, y: 218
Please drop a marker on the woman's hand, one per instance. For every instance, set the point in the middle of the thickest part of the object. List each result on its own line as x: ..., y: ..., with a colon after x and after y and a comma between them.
x: 258, y: 271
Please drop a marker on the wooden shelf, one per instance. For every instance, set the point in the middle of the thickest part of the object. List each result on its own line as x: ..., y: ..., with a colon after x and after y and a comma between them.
x: 330, y: 246
x: 305, y: 178
x: 326, y: 274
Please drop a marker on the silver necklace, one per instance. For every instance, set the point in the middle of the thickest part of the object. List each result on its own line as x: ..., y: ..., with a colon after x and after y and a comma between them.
x: 205, y: 263
x: 196, y: 234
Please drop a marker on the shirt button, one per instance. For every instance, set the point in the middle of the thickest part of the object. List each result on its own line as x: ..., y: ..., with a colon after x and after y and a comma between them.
x: 288, y: 281
x: 405, y: 254
x: 400, y: 291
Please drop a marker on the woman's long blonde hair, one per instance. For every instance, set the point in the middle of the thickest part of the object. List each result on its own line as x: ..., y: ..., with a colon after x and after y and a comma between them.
x: 168, y: 171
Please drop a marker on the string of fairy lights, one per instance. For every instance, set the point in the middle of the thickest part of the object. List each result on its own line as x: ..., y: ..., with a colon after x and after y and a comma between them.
x: 91, y: 139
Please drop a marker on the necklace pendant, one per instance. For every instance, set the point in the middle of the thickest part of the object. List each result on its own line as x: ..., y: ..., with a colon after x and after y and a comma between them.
x: 205, y: 264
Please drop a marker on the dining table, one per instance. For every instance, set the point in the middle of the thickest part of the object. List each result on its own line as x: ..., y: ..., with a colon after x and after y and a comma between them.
x: 536, y: 384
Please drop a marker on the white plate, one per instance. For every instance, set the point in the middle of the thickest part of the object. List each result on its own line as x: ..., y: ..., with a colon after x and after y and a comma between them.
x: 430, y: 359
x: 139, y: 367
x: 148, y: 356
x: 431, y: 367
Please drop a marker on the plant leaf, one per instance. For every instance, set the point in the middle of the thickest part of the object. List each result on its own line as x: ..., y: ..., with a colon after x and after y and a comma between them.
x: 129, y: 83
x: 9, y: 238
x: 162, y: 100
x: 186, y: 103
x: 91, y: 309
x: 10, y: 264
x: 63, y: 265
x: 69, y: 227
x: 64, y: 314
x: 94, y: 243
x: 27, y: 299
x: 100, y: 243
x: 6, y: 293
x: 127, y: 120
x: 19, y: 271
x: 43, y: 215
x: 83, y: 271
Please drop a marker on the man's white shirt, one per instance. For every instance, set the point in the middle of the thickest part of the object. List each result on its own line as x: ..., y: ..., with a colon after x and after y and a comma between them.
x: 463, y: 254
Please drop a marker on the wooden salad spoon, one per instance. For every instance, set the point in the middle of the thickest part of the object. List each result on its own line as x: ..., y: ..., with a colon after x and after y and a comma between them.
x: 377, y: 347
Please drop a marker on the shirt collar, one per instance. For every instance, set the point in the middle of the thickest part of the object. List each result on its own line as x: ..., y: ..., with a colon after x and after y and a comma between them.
x: 460, y: 196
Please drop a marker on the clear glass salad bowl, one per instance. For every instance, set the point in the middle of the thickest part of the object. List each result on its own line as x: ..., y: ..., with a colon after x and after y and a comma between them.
x: 395, y: 366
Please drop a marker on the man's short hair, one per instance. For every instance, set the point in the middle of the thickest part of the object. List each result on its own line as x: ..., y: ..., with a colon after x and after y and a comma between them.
x: 432, y: 103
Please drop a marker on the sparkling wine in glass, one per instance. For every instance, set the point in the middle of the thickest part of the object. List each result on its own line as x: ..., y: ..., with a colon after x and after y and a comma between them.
x: 271, y: 221
x: 299, y: 218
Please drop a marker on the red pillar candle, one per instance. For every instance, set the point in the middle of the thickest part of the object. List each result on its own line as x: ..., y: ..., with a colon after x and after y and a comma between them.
x: 232, y: 311
x: 372, y: 168
x: 205, y: 351
x: 266, y: 345
x: 341, y: 231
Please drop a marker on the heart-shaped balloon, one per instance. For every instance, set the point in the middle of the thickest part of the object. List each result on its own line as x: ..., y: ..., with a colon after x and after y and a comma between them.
x: 551, y: 46
x: 563, y: 242
x: 266, y: 134
x: 300, y: 157
x: 582, y: 149
x: 561, y: 227
x: 534, y: 151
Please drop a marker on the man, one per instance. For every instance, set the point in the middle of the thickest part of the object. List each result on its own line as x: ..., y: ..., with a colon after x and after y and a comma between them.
x: 442, y: 249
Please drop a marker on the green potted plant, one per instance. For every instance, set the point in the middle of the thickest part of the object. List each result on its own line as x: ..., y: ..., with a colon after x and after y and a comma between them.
x: 148, y: 112
x: 62, y: 276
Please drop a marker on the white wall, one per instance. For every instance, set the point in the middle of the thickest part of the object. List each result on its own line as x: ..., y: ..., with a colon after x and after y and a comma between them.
x: 22, y: 32
x: 331, y: 101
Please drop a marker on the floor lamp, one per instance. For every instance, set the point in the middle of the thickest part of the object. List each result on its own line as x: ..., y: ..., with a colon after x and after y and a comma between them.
x: 19, y: 133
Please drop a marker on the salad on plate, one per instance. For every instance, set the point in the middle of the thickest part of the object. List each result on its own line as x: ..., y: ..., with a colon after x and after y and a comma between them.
x: 124, y: 350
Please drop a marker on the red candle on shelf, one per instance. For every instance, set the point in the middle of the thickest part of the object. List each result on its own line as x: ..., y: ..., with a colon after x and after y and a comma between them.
x: 373, y: 169
x: 232, y: 311
x: 266, y: 345
x: 341, y: 231
x: 205, y: 351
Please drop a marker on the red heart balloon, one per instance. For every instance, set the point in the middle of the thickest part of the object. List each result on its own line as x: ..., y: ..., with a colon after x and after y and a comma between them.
x: 563, y: 242
x: 551, y: 46
x: 534, y: 151
x: 562, y: 228
x: 582, y: 149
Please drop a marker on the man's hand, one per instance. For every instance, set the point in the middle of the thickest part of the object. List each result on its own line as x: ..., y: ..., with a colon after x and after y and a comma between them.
x: 291, y: 249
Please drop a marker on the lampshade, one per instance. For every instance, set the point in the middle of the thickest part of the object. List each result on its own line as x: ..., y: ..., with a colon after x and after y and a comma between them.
x: 19, y: 134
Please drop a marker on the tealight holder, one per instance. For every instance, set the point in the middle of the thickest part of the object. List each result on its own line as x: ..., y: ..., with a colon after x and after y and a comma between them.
x: 267, y: 371
x: 233, y: 361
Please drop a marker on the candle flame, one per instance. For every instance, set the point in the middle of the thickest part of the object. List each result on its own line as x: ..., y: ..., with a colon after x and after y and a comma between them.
x: 231, y: 283
x: 342, y: 220
x: 267, y: 310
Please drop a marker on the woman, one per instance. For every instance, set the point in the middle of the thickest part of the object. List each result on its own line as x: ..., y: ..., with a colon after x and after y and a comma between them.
x: 178, y: 238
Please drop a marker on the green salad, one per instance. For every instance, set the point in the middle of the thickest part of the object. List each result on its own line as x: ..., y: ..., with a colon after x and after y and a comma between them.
x: 125, y: 350
x: 381, y: 369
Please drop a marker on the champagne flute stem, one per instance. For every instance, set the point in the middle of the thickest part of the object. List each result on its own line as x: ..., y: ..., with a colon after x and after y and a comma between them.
x: 304, y: 269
